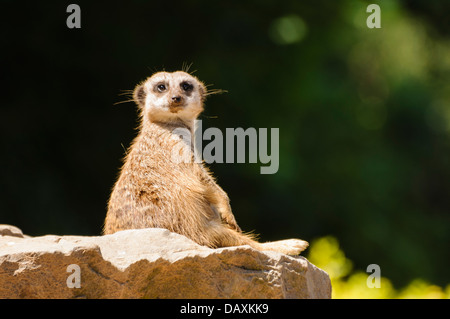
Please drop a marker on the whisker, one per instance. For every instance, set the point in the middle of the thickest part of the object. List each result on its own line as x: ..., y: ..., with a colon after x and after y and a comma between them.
x: 152, y: 69
x: 126, y: 93
x: 209, y: 117
x: 126, y: 101
x: 215, y: 91
x: 187, y: 66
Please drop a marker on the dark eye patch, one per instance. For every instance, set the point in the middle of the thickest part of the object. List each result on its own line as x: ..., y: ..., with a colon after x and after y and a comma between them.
x: 186, y: 86
x: 160, y: 87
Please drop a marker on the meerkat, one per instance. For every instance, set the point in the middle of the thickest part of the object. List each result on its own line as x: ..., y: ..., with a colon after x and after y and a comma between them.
x: 154, y: 190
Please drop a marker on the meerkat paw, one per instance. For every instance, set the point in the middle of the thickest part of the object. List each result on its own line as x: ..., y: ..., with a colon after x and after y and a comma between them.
x: 291, y: 247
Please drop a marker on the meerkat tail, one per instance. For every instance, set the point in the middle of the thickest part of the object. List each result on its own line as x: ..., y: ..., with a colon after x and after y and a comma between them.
x: 288, y: 246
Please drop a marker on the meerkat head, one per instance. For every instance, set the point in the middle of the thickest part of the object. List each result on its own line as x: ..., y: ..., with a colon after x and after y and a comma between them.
x: 169, y: 97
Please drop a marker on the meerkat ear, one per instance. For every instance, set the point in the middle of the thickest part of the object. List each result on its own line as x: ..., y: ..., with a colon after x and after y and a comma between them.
x: 139, y: 95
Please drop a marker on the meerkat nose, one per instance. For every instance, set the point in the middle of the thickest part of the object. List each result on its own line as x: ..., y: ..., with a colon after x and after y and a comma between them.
x: 176, y: 99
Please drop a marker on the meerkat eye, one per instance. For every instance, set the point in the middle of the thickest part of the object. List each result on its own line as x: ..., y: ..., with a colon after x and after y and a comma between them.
x: 161, y: 87
x: 187, y: 86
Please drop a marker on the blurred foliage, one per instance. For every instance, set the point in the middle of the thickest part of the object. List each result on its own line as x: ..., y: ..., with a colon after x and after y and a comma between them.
x: 364, y: 117
x: 348, y: 283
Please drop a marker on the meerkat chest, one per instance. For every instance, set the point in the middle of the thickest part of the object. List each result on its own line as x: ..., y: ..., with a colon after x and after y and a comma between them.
x: 170, y: 146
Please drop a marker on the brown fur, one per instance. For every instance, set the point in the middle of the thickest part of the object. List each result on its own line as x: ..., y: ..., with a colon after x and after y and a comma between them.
x: 154, y: 190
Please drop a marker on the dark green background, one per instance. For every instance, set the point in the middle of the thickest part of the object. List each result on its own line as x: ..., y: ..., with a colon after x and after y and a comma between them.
x: 364, y: 116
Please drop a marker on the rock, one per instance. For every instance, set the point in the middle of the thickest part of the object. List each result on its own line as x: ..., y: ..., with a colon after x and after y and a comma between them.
x: 150, y: 263
x: 9, y: 230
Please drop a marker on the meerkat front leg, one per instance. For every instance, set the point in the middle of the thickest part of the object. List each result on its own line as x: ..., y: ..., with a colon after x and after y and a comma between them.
x: 220, y: 203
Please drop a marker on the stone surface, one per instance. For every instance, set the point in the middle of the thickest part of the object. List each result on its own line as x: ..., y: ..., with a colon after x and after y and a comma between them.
x: 149, y: 263
x: 9, y: 230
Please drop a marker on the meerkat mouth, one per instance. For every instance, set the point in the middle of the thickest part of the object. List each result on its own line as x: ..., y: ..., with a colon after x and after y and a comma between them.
x: 175, y: 107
